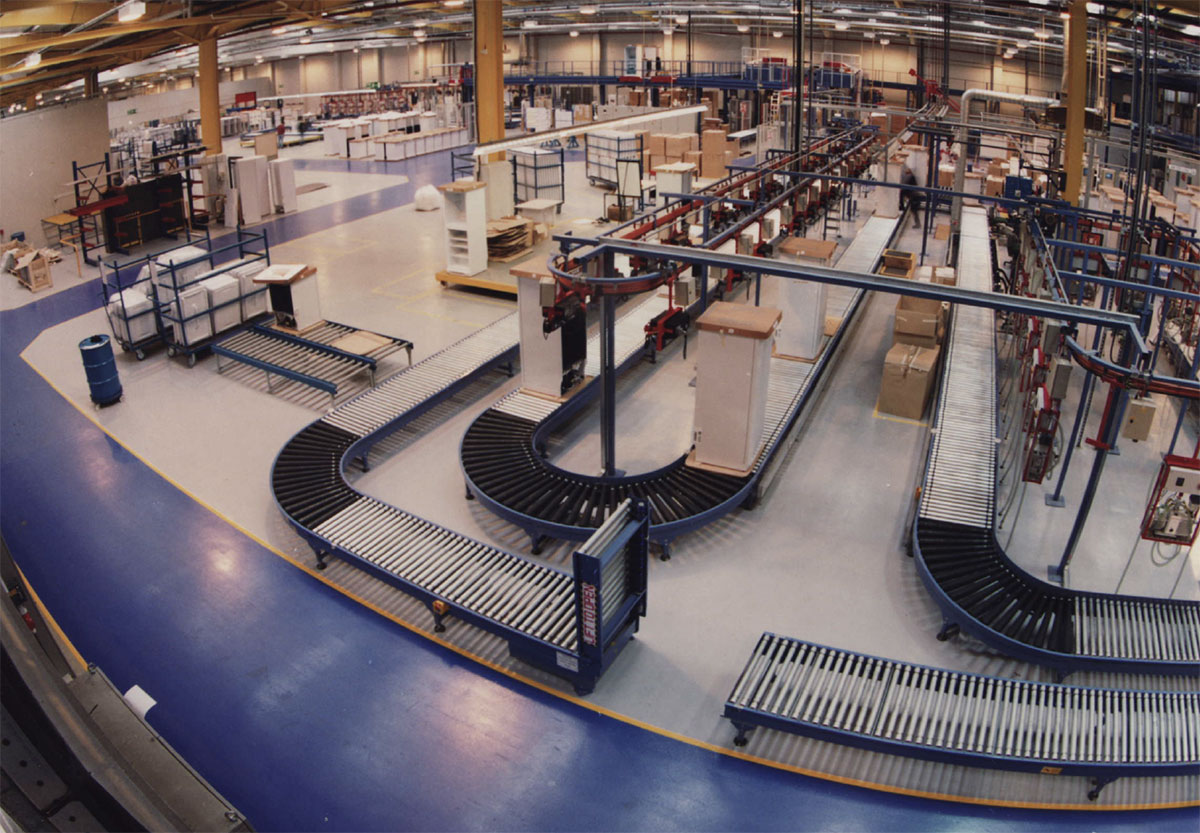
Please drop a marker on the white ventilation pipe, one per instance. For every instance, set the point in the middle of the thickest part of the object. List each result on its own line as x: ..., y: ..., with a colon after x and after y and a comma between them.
x: 972, y: 95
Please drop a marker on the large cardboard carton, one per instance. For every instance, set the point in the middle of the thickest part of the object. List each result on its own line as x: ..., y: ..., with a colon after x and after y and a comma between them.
x: 695, y: 157
x: 919, y: 322
x: 712, y: 140
x: 677, y: 144
x: 993, y: 186
x: 908, y: 375
x: 945, y: 275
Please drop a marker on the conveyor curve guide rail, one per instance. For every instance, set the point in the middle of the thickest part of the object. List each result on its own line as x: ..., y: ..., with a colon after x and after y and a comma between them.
x: 569, y: 624
x: 977, y: 586
x: 505, y: 469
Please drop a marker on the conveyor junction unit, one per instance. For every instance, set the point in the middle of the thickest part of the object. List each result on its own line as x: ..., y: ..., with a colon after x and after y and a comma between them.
x: 954, y: 717
x: 977, y: 586
x: 503, y: 460
x: 310, y: 359
x: 569, y: 624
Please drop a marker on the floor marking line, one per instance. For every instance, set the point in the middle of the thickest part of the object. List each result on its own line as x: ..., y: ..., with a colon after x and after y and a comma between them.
x: 51, y: 622
x: 598, y: 709
x: 902, y: 420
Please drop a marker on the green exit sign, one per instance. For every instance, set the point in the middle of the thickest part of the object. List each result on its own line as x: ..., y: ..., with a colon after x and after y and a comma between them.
x: 131, y: 111
x: 372, y: 85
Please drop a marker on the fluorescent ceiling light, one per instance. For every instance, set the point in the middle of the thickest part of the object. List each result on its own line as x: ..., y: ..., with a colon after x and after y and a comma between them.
x: 453, y: 4
x: 1095, y: 8
x: 1041, y: 34
x: 668, y: 30
x: 1192, y: 29
x: 777, y: 34
x: 884, y: 41
x: 418, y: 33
x: 1039, y: 2
x: 742, y: 27
x: 681, y: 18
x: 587, y: 9
x: 131, y: 11
x: 890, y: 13
x: 841, y: 26
x: 842, y: 11
x: 279, y: 30
x: 33, y: 59
x: 573, y: 33
x: 529, y: 24
x: 306, y: 39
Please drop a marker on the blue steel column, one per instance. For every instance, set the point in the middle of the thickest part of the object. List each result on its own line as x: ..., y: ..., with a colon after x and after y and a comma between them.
x: 608, y: 375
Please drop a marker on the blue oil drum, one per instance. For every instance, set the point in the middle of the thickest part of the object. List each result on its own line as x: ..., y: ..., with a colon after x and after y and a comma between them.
x: 101, y: 370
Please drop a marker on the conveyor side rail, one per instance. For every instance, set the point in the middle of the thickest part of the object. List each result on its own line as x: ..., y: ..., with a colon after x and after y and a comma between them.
x: 979, y: 589
x: 961, y: 718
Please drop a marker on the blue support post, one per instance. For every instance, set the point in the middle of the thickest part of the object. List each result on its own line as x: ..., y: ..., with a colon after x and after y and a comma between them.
x: 608, y: 376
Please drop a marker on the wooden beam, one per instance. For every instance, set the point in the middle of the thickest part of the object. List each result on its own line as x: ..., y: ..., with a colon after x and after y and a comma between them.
x: 41, y: 14
x: 1076, y: 64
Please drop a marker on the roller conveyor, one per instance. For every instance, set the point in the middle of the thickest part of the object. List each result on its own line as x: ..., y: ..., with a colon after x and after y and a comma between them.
x: 962, y: 718
x: 534, y: 607
x: 977, y: 586
x: 505, y: 470
x: 310, y: 360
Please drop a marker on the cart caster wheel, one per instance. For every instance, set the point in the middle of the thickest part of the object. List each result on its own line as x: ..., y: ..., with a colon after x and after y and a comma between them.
x: 171, y: 351
x: 140, y: 355
x: 192, y: 360
x: 124, y: 348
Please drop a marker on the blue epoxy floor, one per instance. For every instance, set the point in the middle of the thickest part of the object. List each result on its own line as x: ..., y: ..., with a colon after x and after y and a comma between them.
x: 310, y: 712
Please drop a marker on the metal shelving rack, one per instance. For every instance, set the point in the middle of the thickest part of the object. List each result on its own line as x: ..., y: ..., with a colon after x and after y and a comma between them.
x: 171, y: 313
x: 135, y: 326
x: 604, y: 148
x: 538, y: 173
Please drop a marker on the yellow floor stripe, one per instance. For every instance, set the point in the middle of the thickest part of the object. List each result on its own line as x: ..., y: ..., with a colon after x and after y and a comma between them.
x: 902, y: 420
x: 61, y: 636
x: 580, y: 702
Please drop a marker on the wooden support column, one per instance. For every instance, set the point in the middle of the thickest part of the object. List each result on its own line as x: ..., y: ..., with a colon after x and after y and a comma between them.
x: 489, y: 70
x: 1076, y: 99
x: 210, y: 96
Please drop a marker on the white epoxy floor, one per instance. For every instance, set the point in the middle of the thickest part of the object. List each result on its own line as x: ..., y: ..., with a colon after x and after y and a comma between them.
x: 822, y: 557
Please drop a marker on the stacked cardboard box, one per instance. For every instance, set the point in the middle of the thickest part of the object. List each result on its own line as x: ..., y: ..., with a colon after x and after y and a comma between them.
x: 908, y: 375
x: 715, y: 152
x: 897, y: 264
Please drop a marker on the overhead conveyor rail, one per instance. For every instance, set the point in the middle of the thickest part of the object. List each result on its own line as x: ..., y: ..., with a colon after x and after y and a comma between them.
x: 539, y: 610
x: 312, y: 359
x: 974, y: 582
x: 505, y: 468
x: 961, y: 718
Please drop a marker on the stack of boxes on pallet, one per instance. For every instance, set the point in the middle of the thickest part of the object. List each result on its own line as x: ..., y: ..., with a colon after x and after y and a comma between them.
x: 910, y: 367
x: 668, y: 148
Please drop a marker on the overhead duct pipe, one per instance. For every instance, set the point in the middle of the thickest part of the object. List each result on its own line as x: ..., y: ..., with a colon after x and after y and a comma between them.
x: 969, y: 97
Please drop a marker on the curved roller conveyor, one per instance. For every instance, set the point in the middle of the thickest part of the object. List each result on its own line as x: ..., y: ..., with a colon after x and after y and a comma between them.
x: 506, y: 471
x: 977, y: 586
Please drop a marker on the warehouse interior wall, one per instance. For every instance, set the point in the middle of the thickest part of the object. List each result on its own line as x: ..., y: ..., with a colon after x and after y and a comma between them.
x: 36, y: 151
x: 173, y: 103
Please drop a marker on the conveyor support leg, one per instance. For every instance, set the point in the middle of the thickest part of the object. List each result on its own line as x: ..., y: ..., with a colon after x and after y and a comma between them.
x: 743, y: 729
x: 1099, y: 784
x: 949, y: 631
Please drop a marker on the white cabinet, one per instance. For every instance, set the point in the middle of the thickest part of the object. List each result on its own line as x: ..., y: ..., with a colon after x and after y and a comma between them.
x: 465, y: 214
x: 732, y: 373
x: 253, y: 189
x: 541, y: 353
x: 294, y: 295
x: 802, y: 303
x: 283, y: 185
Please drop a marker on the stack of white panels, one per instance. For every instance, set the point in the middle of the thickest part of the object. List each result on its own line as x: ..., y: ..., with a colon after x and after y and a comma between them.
x: 191, y: 302
x: 252, y: 304
x: 222, y: 301
x: 195, y: 262
x: 134, y: 322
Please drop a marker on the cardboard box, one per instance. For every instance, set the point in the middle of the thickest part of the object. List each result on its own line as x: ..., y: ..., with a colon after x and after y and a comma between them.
x: 919, y: 322
x: 657, y: 144
x: 712, y: 165
x: 923, y: 274
x: 693, y: 141
x: 712, y: 140
x: 897, y: 264
x: 618, y: 214
x: 993, y: 186
x: 941, y: 231
x: 908, y: 375
x: 945, y: 176
x: 656, y: 160
x: 694, y: 157
x: 730, y: 155
x: 677, y: 145
x: 945, y: 275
